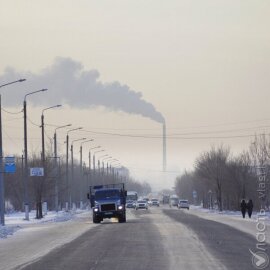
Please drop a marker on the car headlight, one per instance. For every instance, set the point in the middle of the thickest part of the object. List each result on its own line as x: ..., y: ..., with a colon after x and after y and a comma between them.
x: 120, y: 207
x: 95, y: 209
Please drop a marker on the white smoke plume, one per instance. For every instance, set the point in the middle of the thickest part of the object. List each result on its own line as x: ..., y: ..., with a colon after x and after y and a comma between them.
x: 69, y: 83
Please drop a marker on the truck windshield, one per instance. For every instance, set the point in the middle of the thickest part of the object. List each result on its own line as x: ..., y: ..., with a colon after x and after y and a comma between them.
x: 107, y: 194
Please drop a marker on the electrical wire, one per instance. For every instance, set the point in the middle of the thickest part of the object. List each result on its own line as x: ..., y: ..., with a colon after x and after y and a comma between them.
x: 168, y: 136
x: 6, y: 111
x: 34, y: 124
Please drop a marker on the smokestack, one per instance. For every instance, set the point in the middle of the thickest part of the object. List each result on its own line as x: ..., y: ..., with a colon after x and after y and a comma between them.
x: 164, y: 148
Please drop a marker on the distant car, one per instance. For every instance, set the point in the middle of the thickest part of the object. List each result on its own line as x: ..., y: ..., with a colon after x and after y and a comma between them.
x: 183, y: 204
x: 130, y: 204
x: 174, y: 201
x: 154, y: 202
x: 141, y: 204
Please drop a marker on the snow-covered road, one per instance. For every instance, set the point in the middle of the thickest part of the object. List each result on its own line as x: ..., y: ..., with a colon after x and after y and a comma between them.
x: 33, y: 240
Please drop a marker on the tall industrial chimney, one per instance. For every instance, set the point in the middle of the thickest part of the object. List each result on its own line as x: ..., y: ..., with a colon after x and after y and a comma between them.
x: 164, y: 148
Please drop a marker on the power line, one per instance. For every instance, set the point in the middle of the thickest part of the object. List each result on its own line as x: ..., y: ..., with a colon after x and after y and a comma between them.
x: 34, y: 124
x: 6, y: 111
x: 168, y: 136
x: 187, y: 127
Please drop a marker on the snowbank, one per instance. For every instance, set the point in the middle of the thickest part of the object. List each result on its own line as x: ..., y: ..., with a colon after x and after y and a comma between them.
x: 15, y: 221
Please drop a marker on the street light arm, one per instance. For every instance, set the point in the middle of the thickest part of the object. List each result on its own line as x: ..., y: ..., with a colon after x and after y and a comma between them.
x: 78, y: 140
x: 20, y: 80
x: 98, y: 151
x: 73, y: 129
x: 52, y: 107
x: 87, y: 141
x: 104, y: 156
x: 63, y: 127
x: 94, y: 148
x: 31, y: 93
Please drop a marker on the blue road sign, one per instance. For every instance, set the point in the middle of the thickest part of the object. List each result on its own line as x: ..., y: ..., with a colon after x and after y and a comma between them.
x: 10, y: 166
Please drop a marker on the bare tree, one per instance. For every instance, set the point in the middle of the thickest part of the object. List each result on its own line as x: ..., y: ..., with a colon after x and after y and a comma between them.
x: 211, y: 166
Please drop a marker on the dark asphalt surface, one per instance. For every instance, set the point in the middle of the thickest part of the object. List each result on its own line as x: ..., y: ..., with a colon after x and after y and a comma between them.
x: 230, y: 246
x: 138, y: 245
x: 132, y: 245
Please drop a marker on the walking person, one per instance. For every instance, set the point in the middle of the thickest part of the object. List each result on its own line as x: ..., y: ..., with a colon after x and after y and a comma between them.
x: 243, y: 208
x: 250, y: 208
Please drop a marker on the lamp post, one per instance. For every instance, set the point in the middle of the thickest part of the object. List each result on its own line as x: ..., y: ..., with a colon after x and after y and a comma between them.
x: 81, y: 152
x: 42, y: 131
x: 2, y: 187
x: 55, y: 164
x: 107, y: 166
x: 89, y: 157
x: 94, y: 158
x: 100, y: 159
x: 103, y: 166
x: 81, y: 172
x: 94, y: 161
x: 25, y: 175
x: 67, y: 169
x: 72, y: 163
x: 111, y: 162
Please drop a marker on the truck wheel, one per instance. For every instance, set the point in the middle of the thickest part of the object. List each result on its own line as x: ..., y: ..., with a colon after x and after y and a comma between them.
x: 96, y: 219
x: 122, y: 219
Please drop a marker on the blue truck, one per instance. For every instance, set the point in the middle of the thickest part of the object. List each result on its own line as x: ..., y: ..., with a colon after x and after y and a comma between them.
x: 108, y: 201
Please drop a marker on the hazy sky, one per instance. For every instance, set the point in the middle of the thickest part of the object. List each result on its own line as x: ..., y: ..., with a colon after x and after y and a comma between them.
x: 204, y: 65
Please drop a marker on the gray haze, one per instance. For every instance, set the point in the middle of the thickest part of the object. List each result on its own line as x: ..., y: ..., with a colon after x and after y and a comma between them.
x: 69, y: 83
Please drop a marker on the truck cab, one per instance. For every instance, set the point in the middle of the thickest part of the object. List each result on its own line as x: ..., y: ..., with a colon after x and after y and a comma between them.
x: 108, y: 201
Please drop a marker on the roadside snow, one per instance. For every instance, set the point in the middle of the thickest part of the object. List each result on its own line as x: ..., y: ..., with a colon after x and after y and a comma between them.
x: 16, y: 221
x: 234, y: 219
x: 35, y: 238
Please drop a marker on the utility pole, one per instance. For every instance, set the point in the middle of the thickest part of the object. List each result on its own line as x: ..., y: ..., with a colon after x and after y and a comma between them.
x: 72, y: 160
x: 2, y: 186
x: 55, y: 164
x: 26, y: 173
x: 39, y: 212
x: 81, y: 173
x: 67, y: 169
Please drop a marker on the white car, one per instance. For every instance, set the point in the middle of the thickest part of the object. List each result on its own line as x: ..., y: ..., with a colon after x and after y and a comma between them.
x: 183, y: 204
x: 141, y: 204
x: 154, y: 202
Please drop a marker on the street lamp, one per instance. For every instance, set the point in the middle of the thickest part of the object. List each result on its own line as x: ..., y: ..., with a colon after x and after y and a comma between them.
x: 81, y: 152
x: 67, y: 171
x: 2, y: 187
x: 94, y: 160
x: 25, y: 175
x: 72, y: 164
x: 42, y: 130
x: 96, y: 147
x: 103, y: 167
x: 20, y: 80
x: 81, y: 170
x: 55, y: 163
x: 55, y: 138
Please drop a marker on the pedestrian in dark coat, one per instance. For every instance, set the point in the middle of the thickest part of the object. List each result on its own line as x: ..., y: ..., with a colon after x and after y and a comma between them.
x: 249, y: 208
x: 243, y: 208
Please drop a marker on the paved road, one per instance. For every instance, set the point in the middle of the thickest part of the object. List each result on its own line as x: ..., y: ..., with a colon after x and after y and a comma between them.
x: 156, y: 239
